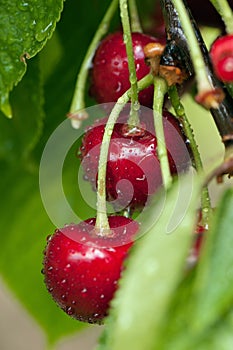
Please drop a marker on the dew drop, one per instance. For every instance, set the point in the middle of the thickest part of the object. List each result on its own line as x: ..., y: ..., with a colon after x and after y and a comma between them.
x: 132, y: 79
x: 63, y: 297
x: 69, y: 310
x: 42, y: 271
x: 32, y: 24
x: 50, y: 289
x: 23, y: 5
x: 84, y: 290
x: 118, y: 87
x: 48, y: 238
x: 136, y: 106
x: 42, y: 32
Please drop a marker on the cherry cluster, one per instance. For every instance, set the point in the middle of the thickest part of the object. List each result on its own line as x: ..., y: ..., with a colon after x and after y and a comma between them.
x: 83, y: 262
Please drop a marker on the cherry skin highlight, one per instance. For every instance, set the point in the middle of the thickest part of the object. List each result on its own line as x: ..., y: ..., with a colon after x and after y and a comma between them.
x: 133, y: 168
x: 110, y: 74
x: 82, y: 268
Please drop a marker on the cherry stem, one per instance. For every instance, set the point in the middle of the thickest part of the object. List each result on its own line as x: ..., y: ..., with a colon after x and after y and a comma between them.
x: 134, y: 17
x: 224, y: 10
x: 181, y: 116
x: 133, y: 119
x: 203, y: 83
x: 160, y: 89
x: 78, y: 101
x: 102, y: 224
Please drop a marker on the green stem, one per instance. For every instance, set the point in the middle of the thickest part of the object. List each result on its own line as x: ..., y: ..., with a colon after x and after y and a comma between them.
x: 134, y: 17
x: 203, y: 83
x: 225, y: 12
x: 180, y: 113
x: 133, y: 120
x: 160, y: 89
x: 78, y: 100
x: 102, y: 224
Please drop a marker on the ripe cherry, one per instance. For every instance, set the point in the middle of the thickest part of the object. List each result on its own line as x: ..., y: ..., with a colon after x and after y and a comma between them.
x: 133, y: 169
x: 221, y: 53
x: 82, y: 267
x: 110, y: 75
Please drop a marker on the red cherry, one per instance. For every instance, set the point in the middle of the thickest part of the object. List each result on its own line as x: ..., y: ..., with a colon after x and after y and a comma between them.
x: 221, y: 54
x: 82, y: 268
x: 110, y: 75
x: 133, y: 157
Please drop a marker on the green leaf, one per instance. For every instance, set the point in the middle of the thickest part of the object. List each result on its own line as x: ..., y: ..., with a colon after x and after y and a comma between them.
x: 21, y: 133
x: 220, y: 336
x: 153, y: 273
x: 25, y: 226
x: 25, y: 27
x: 203, y: 303
x: 213, y: 290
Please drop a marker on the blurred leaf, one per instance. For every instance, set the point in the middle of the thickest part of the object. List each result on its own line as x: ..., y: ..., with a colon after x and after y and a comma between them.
x: 153, y: 273
x: 20, y: 134
x: 25, y: 226
x: 25, y: 27
x: 203, y: 304
x: 220, y: 335
x: 213, y: 290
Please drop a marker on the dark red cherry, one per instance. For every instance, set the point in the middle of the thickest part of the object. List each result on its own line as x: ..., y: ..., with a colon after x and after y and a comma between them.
x: 110, y: 75
x: 133, y: 169
x: 82, y: 268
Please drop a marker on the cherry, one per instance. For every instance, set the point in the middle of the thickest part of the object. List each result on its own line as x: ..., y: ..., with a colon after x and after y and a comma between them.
x: 110, y: 75
x: 133, y: 158
x: 221, y: 53
x: 82, y: 267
